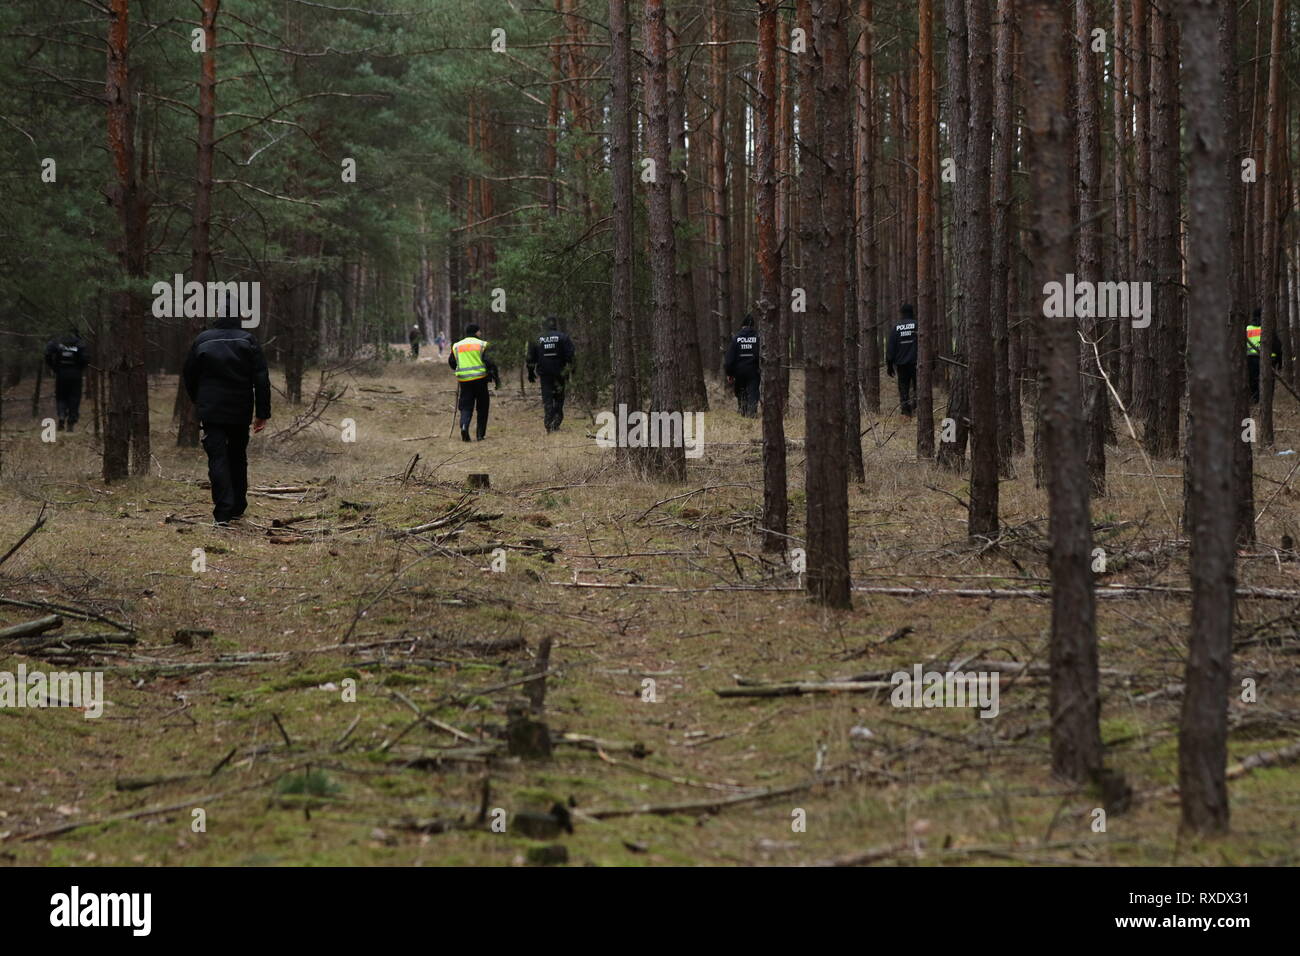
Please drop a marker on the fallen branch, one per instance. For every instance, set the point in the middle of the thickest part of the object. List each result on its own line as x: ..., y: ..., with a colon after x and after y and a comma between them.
x: 40, y: 522
x: 29, y: 628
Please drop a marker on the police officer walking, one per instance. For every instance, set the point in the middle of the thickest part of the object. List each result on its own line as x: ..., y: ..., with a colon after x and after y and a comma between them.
x: 225, y: 376
x: 548, y: 356
x: 413, y: 337
x: 67, y: 358
x: 742, y: 367
x: 473, y: 368
x: 1254, y: 334
x: 900, y: 357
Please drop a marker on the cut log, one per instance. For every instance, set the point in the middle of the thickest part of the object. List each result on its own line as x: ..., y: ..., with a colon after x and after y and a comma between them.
x: 38, y: 626
x: 478, y: 480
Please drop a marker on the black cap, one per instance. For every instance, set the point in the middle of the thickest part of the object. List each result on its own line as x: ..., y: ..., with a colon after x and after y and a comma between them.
x: 1257, y: 313
x: 471, y: 329
x: 906, y: 309
x: 749, y: 321
x: 552, y: 322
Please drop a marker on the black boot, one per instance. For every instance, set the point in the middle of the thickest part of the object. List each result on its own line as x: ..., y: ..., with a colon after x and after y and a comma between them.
x: 464, y: 434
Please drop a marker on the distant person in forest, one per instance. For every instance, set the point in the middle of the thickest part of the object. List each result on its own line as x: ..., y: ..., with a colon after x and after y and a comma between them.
x: 225, y: 376
x: 441, y: 341
x: 67, y: 358
x: 473, y: 366
x: 900, y: 357
x: 414, y: 338
x: 548, y: 356
x: 1254, y: 334
x: 742, y: 367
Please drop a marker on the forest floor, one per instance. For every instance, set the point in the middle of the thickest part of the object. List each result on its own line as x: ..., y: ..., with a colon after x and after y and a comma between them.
x: 258, y: 726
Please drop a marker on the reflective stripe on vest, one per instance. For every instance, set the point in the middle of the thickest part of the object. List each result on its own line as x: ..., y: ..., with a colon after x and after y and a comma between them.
x: 469, y: 359
x: 1252, y: 339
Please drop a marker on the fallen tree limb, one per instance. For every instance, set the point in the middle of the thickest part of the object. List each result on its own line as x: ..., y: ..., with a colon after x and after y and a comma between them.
x: 701, y: 806
x: 40, y: 522
x: 67, y: 612
x: 30, y: 628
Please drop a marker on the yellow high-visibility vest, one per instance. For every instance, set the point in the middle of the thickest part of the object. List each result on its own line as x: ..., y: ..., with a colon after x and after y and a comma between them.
x: 469, y: 359
x: 1253, y: 333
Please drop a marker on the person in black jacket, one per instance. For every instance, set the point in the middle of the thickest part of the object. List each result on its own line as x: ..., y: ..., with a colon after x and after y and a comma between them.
x: 900, y: 356
x: 225, y: 376
x: 67, y: 359
x: 742, y: 367
x: 548, y: 356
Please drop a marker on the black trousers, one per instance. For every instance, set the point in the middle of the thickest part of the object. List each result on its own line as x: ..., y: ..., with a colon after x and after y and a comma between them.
x: 67, y: 397
x: 415, y: 350
x: 474, y: 396
x: 747, y: 384
x: 1252, y: 369
x: 227, y: 448
x: 906, y: 386
x: 552, y: 401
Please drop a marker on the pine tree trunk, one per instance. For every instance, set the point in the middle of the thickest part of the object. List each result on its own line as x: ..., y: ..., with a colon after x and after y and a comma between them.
x: 1000, y: 238
x: 1271, y: 244
x: 827, y: 475
x: 983, y: 512
x: 1211, y: 432
x: 924, y: 245
x: 1074, y: 700
x: 623, y: 364
x: 1088, y: 122
x: 775, y: 501
x: 667, y: 462
x: 867, y: 255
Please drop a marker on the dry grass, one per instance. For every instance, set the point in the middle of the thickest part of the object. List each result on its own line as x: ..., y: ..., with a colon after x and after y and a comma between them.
x: 937, y: 785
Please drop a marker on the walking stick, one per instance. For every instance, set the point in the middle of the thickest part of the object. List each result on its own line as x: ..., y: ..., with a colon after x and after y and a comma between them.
x: 455, y: 410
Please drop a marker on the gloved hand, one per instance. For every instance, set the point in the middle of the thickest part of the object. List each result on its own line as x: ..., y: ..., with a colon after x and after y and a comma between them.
x: 532, y: 377
x: 889, y: 369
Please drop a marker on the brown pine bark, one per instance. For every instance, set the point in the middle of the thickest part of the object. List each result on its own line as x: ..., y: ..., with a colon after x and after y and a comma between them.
x: 1000, y: 238
x: 187, y: 429
x: 1074, y: 700
x: 666, y: 463
x: 1211, y: 432
x: 775, y: 500
x: 1140, y: 58
x: 126, y: 427
x: 952, y: 453
x: 827, y: 475
x: 1088, y: 122
x: 866, y: 250
x: 1270, y: 247
x: 924, y: 245
x: 623, y: 362
x: 695, y: 396
x: 720, y: 212
x: 983, y: 511
x: 780, y: 344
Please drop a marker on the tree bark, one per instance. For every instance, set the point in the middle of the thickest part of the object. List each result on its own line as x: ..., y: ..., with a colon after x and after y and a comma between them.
x: 1074, y: 700
x: 1271, y: 244
x: 925, y: 318
x: 827, y: 475
x: 1000, y: 238
x: 668, y: 461
x: 622, y: 341
x: 187, y: 429
x: 1090, y: 219
x: 1211, y: 432
x: 983, y: 511
x: 775, y: 500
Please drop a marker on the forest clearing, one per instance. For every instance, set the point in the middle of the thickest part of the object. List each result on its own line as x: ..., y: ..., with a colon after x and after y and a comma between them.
x: 248, y: 721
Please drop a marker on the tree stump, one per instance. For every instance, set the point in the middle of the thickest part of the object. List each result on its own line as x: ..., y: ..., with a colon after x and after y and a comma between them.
x: 478, y: 480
